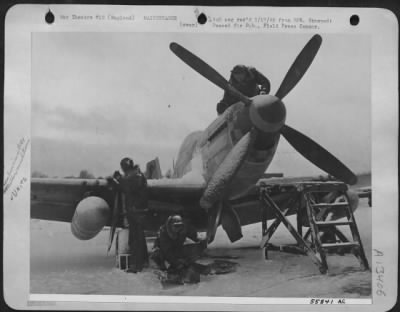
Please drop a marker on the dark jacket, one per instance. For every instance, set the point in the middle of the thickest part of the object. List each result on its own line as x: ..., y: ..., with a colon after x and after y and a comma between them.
x: 134, y: 186
x: 249, y: 86
x: 171, y: 244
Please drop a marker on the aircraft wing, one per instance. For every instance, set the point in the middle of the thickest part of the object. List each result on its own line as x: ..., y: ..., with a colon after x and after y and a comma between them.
x: 248, y: 206
x: 363, y: 180
x: 56, y: 199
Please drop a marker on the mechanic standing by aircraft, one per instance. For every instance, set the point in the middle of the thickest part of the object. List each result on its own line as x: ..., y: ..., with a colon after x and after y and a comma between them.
x: 248, y: 81
x: 133, y: 186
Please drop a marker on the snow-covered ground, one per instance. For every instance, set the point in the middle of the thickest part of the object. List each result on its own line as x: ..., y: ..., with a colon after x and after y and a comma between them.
x: 62, y: 264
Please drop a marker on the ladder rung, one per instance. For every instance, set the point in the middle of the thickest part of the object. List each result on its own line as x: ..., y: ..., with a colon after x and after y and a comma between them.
x: 328, y: 223
x: 327, y: 205
x: 335, y: 245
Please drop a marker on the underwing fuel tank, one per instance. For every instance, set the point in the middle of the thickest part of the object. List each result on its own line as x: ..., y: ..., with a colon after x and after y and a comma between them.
x: 91, y: 215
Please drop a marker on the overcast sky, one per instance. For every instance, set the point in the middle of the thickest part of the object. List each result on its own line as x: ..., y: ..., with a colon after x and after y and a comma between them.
x: 98, y: 97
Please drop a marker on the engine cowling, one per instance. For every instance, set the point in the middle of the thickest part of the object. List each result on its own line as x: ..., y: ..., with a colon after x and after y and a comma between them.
x: 91, y: 215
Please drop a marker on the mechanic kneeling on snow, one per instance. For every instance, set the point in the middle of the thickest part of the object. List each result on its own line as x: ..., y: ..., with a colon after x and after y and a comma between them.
x: 170, y: 245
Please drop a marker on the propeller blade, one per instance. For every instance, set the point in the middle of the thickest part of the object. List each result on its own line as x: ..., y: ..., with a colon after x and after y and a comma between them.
x: 226, y: 171
x: 206, y: 71
x: 299, y: 66
x: 318, y: 155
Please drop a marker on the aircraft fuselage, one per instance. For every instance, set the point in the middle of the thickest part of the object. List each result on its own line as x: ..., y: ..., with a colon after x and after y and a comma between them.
x: 204, y: 151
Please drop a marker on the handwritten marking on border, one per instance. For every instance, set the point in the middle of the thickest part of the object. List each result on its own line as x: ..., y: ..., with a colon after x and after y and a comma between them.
x: 380, y: 272
x: 327, y: 301
x: 12, y: 172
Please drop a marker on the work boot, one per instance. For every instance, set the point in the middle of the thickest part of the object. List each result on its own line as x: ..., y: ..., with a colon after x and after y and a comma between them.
x: 125, y: 222
x: 191, y: 276
x: 328, y: 237
x: 156, y: 257
x: 132, y: 269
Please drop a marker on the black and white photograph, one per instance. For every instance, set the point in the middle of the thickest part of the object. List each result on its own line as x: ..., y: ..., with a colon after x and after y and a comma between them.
x: 132, y: 147
x: 201, y: 164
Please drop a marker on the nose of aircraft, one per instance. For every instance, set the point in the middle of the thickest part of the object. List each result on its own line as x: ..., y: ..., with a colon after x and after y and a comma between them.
x: 267, y: 113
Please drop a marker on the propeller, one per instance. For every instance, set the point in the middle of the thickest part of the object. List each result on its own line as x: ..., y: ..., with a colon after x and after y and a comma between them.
x: 303, y: 144
x: 318, y: 155
x: 299, y: 66
x: 206, y: 71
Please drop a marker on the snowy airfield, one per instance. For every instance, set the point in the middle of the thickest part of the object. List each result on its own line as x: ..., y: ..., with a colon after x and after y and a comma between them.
x: 62, y: 264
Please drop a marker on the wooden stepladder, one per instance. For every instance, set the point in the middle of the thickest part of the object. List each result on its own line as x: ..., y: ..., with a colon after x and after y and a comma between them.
x: 318, y: 201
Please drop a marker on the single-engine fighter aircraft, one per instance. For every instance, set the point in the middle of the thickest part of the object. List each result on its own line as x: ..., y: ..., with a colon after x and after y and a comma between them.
x: 215, y: 176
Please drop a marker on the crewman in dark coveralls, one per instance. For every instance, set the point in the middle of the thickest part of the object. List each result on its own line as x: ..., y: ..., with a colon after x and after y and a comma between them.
x: 169, y: 246
x: 134, y: 200
x: 248, y: 81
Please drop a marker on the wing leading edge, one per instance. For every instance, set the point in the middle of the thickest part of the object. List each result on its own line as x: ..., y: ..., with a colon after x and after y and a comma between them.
x: 56, y: 199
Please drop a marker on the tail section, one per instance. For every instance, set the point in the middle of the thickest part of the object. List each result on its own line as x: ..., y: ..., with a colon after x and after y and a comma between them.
x: 153, y: 169
x: 185, y: 154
